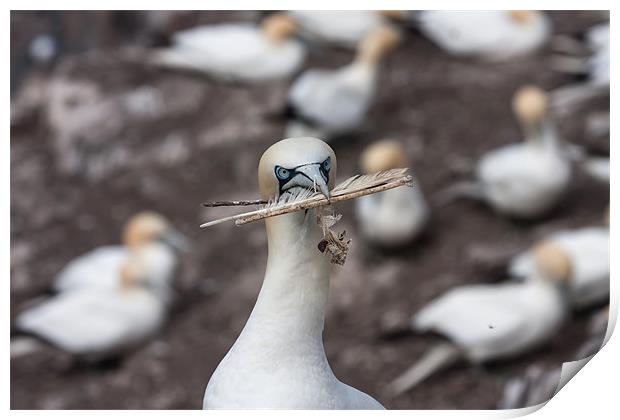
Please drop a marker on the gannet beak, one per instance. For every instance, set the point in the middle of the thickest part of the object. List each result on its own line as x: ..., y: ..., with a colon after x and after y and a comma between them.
x: 176, y: 240
x: 313, y: 172
x: 324, y: 189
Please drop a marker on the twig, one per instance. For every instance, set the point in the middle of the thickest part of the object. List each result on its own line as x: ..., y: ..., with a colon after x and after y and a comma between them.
x: 233, y: 203
x: 322, y: 201
x: 312, y: 202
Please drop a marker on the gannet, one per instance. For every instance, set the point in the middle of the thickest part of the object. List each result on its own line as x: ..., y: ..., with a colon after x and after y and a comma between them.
x: 147, y: 237
x: 598, y: 63
x: 588, y: 250
x: 237, y: 51
x: 278, y: 360
x: 598, y: 168
x: 395, y: 217
x: 490, y: 322
x: 334, y: 102
x: 526, y: 179
x: 97, y: 317
x: 344, y: 28
x: 595, y: 65
x: 487, y: 34
x: 540, y: 385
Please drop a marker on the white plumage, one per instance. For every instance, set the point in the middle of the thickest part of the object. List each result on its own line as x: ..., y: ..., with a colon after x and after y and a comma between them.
x: 236, y: 51
x: 333, y: 102
x: 598, y: 63
x: 395, y: 217
x: 491, y: 322
x: 100, y: 269
x: 111, y: 298
x: 278, y: 361
x: 598, y: 168
x: 344, y: 28
x: 588, y: 250
x: 494, y: 321
x: 595, y: 66
x: 487, y: 34
x: 524, y: 180
x: 95, y: 322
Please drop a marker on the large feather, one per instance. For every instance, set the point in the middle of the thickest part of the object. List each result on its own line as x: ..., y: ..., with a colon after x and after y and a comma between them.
x: 302, y: 199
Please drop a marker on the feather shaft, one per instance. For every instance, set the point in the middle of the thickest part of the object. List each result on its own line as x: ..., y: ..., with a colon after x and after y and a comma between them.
x: 353, y: 187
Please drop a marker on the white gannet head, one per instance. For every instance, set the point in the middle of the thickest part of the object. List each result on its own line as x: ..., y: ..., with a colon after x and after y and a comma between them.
x: 296, y: 164
x: 376, y: 44
x: 530, y: 104
x: 383, y: 155
x: 552, y: 263
x: 523, y: 16
x: 148, y: 227
x: 279, y: 26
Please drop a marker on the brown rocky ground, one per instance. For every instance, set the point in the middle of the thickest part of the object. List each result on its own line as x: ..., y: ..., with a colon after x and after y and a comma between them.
x: 83, y: 159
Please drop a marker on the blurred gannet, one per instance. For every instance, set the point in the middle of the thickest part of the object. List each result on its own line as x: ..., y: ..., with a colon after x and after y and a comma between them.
x: 395, y: 217
x: 96, y: 317
x: 345, y: 28
x: 595, y: 66
x: 147, y: 237
x: 333, y: 102
x: 588, y: 250
x: 598, y: 63
x: 487, y: 34
x: 237, y: 51
x: 278, y: 360
x: 523, y: 179
x: 598, y: 168
x: 490, y: 322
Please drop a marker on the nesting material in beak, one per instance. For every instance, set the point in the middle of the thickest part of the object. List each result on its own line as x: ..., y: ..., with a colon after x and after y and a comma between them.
x: 356, y: 186
x: 335, y: 244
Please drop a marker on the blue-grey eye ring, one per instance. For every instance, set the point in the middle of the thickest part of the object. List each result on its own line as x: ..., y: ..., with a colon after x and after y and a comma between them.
x: 282, y: 173
x: 327, y: 164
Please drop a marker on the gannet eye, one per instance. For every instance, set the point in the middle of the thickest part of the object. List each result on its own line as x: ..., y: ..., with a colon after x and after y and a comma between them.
x: 282, y: 173
x: 325, y: 167
x: 327, y: 164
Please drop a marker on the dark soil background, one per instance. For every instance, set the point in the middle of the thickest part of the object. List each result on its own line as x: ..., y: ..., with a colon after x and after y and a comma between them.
x: 81, y: 166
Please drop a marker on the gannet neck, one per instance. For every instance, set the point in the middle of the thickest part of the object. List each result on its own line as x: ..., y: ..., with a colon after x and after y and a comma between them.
x: 361, y: 73
x: 559, y: 289
x: 291, y: 304
x: 541, y: 133
x: 368, y: 58
x: 150, y: 265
